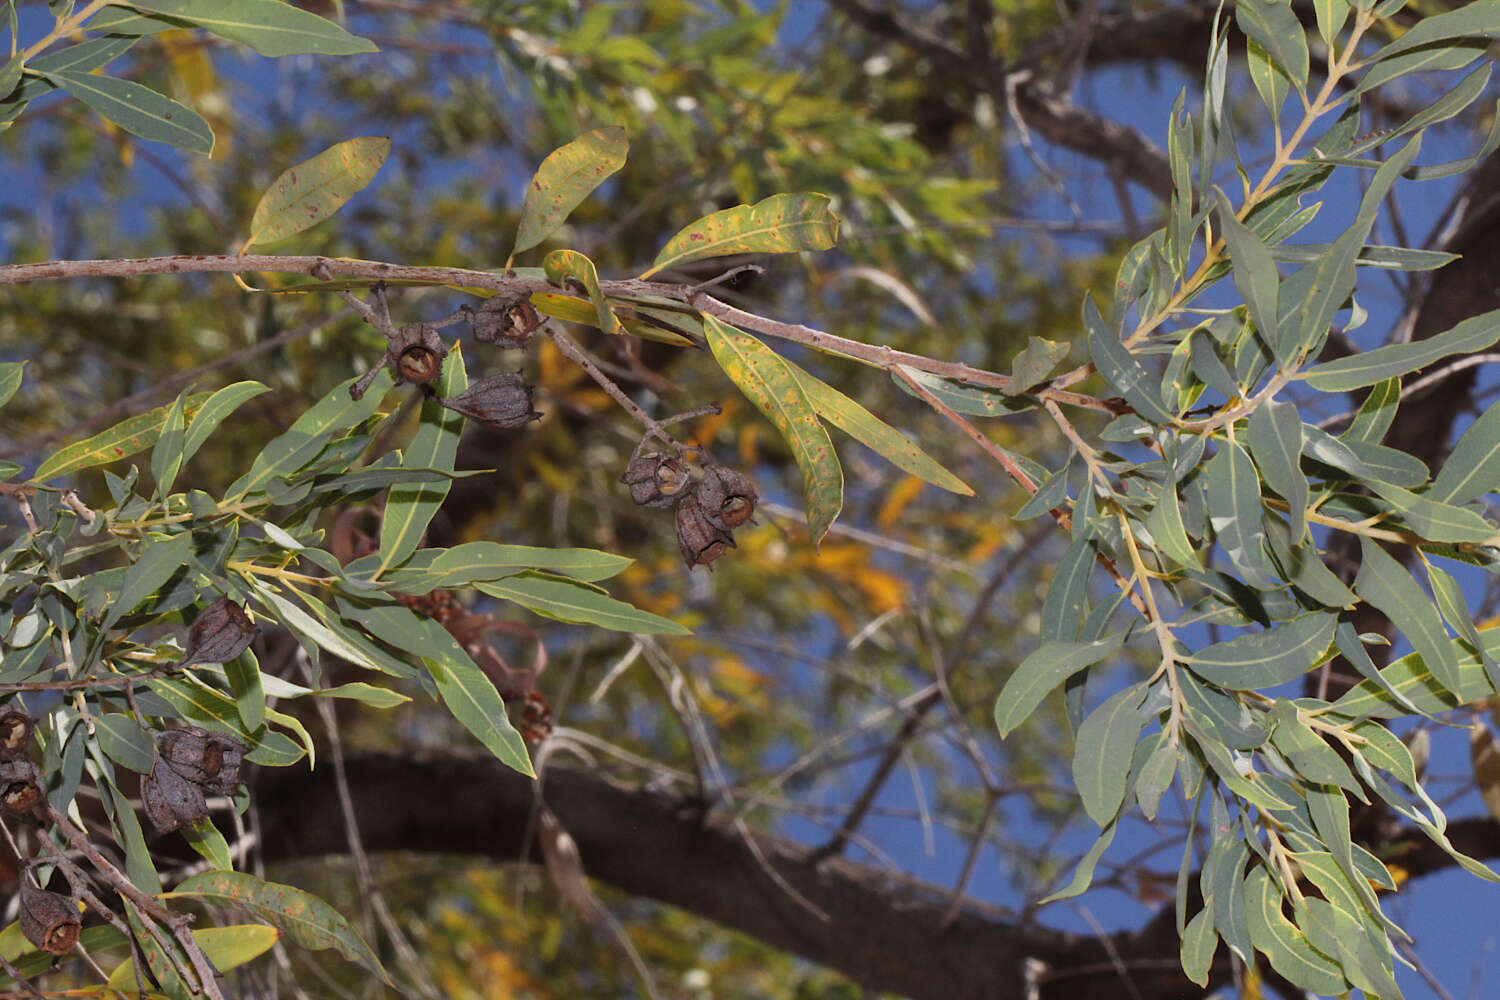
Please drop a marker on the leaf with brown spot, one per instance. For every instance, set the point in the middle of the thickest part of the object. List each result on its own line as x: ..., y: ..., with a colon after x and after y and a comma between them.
x: 314, y: 189
x: 128, y: 437
x: 782, y: 223
x: 770, y: 383
x: 566, y: 267
x: 565, y: 178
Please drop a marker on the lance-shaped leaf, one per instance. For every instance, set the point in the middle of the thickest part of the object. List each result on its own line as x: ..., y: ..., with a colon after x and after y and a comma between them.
x: 1275, y: 439
x: 316, y: 188
x: 1473, y: 467
x: 128, y: 437
x: 859, y: 423
x: 1032, y: 366
x: 468, y: 692
x: 1265, y: 659
x: 1387, y: 585
x: 1474, y: 334
x: 225, y: 947
x: 1234, y: 506
x: 1281, y: 942
x: 768, y: 382
x: 1083, y: 874
x: 409, y: 509
x: 463, y: 564
x: 10, y: 380
x: 213, y: 412
x: 567, y: 268
x: 568, y: 600
x: 1198, y: 944
x: 973, y: 400
x: 270, y: 27
x: 1102, y: 752
x: 138, y: 109
x: 303, y: 917
x: 1469, y: 21
x: 782, y: 223
x: 1041, y: 672
x: 1255, y: 276
x: 1120, y: 367
x: 1434, y: 521
x: 1276, y: 28
x: 564, y: 179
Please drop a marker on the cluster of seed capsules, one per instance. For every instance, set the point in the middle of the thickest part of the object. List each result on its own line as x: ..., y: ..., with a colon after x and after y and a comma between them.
x: 709, y: 505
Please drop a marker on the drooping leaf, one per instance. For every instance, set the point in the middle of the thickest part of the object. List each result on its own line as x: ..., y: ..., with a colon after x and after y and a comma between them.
x: 1387, y: 585
x: 1120, y: 367
x: 316, y: 188
x: 1265, y: 659
x: 226, y: 947
x: 125, y: 742
x: 971, y: 400
x: 1198, y: 944
x: 859, y: 423
x: 469, y: 693
x: 463, y: 564
x: 571, y: 601
x: 568, y: 266
x: 1254, y: 273
x: 1282, y: 942
x: 138, y: 109
x: 1234, y: 506
x: 564, y: 179
x: 128, y: 437
x: 1472, y: 20
x: 1275, y: 439
x: 166, y: 456
x: 1474, y: 334
x: 270, y: 27
x: 1042, y: 671
x: 1083, y: 874
x: 782, y: 223
x: 304, y: 918
x: 10, y: 379
x: 410, y: 509
x: 1102, y: 753
x: 1473, y: 467
x: 766, y: 380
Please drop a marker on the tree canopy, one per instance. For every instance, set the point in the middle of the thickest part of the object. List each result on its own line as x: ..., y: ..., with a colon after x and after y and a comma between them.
x: 744, y: 499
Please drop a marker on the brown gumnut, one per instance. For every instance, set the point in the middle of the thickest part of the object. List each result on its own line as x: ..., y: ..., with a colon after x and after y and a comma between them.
x: 502, y: 401
x: 219, y: 634
x: 15, y: 733
x: 727, y: 497
x: 700, y: 540
x: 506, y: 320
x: 418, y: 353
x: 20, y: 785
x: 171, y: 800
x: 48, y: 919
x: 655, y: 480
x: 206, y: 759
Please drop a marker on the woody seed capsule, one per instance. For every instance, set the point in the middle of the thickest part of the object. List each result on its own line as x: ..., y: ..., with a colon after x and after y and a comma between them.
x: 700, y: 540
x: 655, y: 480
x: 502, y: 401
x: 222, y: 632
x: 727, y: 497
x: 15, y: 733
x: 49, y: 920
x: 20, y: 785
x: 417, y: 352
x: 206, y: 759
x: 171, y: 800
x: 508, y: 321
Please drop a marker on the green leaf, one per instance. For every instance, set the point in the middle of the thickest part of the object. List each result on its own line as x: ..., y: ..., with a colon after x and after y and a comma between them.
x: 1165, y: 523
x: 270, y: 27
x: 1276, y: 28
x: 159, y: 560
x: 564, y: 179
x: 469, y: 694
x: 243, y: 674
x: 1179, y: 156
x: 310, y: 432
x: 1102, y: 753
x: 1275, y: 440
x: 1408, y: 684
x: 1254, y: 273
x: 1155, y: 776
x: 316, y: 188
x: 972, y: 400
x: 1265, y: 659
x: 10, y: 73
x: 1083, y: 874
x: 1475, y: 334
x: 570, y: 601
x: 859, y: 423
x: 1234, y: 507
x: 202, y: 836
x: 1331, y: 15
x: 1455, y: 611
x: 128, y: 437
x: 410, y: 509
x: 1472, y: 20
x: 1385, y: 583
x: 1282, y: 942
x: 366, y: 694
x: 1198, y: 944
x: 564, y: 267
x: 214, y: 411
x: 303, y: 917
x: 1473, y: 467
x: 1270, y: 82
x: 1067, y: 605
x: 85, y: 57
x: 138, y: 109
x: 1434, y: 521
x: 1312, y: 758
x: 463, y: 564
x: 325, y: 630
x: 1041, y: 672
x: 767, y: 381
x: 125, y: 742
x: 1119, y: 366
x: 226, y: 947
x: 166, y: 456
x: 1032, y: 366
x: 782, y: 223
x: 10, y: 379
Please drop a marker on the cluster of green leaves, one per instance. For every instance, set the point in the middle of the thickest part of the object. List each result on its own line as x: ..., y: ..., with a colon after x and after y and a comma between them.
x: 1234, y: 471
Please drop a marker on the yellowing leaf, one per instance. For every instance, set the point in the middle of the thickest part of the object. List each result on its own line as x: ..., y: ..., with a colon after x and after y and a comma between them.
x: 226, y: 947
x: 129, y: 436
x: 565, y: 178
x: 311, y: 191
x: 563, y: 266
x: 768, y: 381
x: 782, y: 223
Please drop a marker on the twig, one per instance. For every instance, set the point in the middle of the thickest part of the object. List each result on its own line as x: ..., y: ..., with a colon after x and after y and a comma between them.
x: 584, y: 360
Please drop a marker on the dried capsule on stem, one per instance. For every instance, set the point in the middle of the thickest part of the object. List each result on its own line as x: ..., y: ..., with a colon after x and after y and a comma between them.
x: 655, y: 480
x: 727, y: 497
x: 506, y: 320
x: 20, y: 785
x: 15, y: 733
x: 700, y: 540
x: 49, y: 920
x: 417, y: 352
x: 209, y: 760
x: 171, y: 800
x: 222, y: 632
x: 502, y: 401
